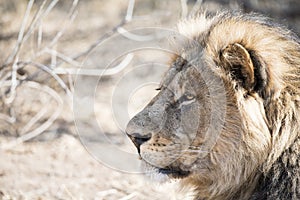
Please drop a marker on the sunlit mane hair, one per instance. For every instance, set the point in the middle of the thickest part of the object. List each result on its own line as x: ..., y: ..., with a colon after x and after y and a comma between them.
x: 275, y: 52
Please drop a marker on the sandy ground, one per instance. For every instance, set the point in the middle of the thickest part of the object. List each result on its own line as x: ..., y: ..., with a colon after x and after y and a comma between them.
x: 63, y: 169
x: 56, y: 164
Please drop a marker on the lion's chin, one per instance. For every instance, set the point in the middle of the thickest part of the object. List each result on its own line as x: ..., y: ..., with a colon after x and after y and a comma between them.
x: 163, y: 175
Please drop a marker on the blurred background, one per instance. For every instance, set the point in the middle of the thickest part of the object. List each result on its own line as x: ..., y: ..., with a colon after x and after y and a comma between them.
x: 55, y: 120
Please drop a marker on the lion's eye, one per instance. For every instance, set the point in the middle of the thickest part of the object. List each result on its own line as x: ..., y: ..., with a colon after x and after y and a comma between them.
x: 189, y: 97
x: 186, y: 100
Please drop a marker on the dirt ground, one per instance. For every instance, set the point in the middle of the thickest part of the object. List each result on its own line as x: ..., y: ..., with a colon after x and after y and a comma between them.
x: 62, y: 161
x: 62, y: 169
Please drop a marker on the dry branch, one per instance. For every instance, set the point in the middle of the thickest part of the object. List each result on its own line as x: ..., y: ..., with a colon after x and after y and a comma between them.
x: 10, y: 79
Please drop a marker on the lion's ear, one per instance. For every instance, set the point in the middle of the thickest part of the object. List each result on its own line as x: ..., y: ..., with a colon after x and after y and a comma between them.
x: 237, y: 60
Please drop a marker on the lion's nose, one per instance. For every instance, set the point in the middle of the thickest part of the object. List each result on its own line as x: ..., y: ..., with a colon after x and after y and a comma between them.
x: 139, y: 139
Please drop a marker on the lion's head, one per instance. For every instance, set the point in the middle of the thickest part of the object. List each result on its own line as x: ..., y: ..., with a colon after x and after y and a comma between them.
x: 219, y: 120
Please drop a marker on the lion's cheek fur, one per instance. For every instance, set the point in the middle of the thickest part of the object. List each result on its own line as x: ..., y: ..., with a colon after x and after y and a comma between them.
x: 258, y: 136
x: 239, y: 151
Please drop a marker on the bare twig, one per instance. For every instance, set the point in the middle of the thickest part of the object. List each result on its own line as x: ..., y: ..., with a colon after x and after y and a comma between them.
x: 53, y: 54
x: 71, y: 83
x: 97, y: 72
x: 130, y: 8
x: 14, y: 83
x: 21, y: 34
x: 184, y: 8
x: 135, y: 37
x: 40, y: 36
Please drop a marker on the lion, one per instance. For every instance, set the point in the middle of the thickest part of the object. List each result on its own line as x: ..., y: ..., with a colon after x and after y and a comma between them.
x: 226, y: 119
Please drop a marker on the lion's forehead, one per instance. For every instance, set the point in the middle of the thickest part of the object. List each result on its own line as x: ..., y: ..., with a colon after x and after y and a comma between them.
x: 180, y: 82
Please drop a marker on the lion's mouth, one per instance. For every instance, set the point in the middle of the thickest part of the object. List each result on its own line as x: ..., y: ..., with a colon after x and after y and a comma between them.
x: 173, y: 173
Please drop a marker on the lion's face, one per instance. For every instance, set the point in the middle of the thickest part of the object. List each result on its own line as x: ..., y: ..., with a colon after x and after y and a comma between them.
x: 197, y: 126
x: 170, y: 130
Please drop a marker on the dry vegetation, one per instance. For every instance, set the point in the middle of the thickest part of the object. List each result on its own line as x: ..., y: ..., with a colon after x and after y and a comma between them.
x: 41, y: 155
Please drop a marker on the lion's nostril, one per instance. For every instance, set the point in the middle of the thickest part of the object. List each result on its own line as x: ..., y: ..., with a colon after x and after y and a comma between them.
x: 139, y: 139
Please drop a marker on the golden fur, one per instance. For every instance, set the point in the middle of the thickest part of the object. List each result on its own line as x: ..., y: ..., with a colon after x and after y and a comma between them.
x: 227, y: 112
